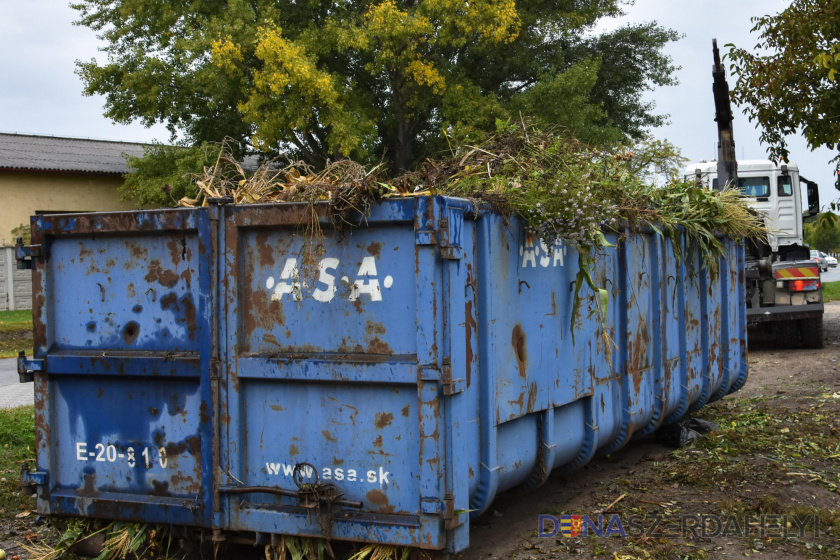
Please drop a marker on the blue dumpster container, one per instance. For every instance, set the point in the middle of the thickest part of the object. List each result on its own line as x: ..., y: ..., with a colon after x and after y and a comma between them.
x: 222, y: 368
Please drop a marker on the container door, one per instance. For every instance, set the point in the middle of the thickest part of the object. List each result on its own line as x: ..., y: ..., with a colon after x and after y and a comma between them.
x: 122, y: 333
x: 333, y: 421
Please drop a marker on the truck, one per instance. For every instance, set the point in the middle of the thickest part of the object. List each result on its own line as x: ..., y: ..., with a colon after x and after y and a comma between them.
x: 783, y: 286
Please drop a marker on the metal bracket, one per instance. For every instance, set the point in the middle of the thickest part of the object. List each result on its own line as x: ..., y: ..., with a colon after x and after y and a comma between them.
x: 29, y: 480
x: 429, y: 373
x: 26, y: 368
x: 25, y: 254
x: 451, y: 386
x: 215, y: 368
x: 451, y: 519
x: 432, y: 506
x: 219, y: 200
x: 447, y: 250
x: 440, y: 236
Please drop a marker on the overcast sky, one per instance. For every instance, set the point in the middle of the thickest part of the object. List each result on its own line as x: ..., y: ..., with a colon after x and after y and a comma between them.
x: 41, y: 94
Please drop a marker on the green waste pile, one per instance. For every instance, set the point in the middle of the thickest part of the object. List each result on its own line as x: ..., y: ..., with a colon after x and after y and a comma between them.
x: 562, y: 189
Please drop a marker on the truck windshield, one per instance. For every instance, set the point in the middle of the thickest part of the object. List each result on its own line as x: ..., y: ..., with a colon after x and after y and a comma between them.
x: 758, y: 187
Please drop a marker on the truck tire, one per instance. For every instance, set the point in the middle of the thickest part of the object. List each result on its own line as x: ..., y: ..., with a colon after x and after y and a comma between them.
x: 787, y: 334
x: 812, y: 332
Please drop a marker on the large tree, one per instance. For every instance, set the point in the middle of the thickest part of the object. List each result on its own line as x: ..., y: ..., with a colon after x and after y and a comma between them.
x: 788, y: 82
x: 377, y: 79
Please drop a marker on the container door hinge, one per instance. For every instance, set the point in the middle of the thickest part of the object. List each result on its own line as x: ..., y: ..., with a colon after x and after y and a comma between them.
x: 25, y: 254
x: 215, y: 368
x: 451, y: 518
x: 27, y: 368
x: 30, y: 480
x: 450, y: 386
x: 447, y: 250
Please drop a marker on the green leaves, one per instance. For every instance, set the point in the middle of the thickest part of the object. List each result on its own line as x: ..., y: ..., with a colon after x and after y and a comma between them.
x: 167, y: 173
x: 789, y: 85
x: 375, y: 81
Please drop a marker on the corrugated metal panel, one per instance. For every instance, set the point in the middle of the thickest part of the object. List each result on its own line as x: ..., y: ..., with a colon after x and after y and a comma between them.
x: 420, y: 365
x: 51, y: 153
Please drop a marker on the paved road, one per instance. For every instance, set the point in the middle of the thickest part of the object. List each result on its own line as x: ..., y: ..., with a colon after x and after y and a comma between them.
x: 12, y: 392
x: 831, y: 275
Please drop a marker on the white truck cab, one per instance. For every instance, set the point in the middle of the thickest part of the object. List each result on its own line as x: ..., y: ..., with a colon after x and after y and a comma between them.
x: 772, y: 189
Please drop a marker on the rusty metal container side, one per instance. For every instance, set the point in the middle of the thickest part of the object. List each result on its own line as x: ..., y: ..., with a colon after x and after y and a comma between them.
x: 378, y: 385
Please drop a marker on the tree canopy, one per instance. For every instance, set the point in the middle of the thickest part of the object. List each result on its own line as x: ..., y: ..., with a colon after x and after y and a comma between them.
x: 372, y: 80
x: 789, y: 84
x: 823, y: 233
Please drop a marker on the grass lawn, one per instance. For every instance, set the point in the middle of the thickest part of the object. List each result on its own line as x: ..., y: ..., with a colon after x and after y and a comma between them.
x: 831, y: 291
x: 17, y: 433
x: 15, y: 333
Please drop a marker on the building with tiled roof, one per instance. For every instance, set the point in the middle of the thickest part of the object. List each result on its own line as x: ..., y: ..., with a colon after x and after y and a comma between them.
x: 50, y: 174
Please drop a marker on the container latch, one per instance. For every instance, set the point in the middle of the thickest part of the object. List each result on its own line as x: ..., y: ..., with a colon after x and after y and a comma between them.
x: 29, y: 480
x: 25, y: 254
x: 27, y: 368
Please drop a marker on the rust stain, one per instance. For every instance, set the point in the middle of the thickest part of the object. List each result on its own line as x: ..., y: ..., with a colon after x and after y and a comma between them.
x: 377, y: 497
x: 337, y: 461
x: 329, y: 436
x: 518, y: 342
x: 353, y: 408
x: 383, y: 419
x: 271, y: 339
x: 170, y: 300
x: 137, y: 251
x: 174, y: 251
x: 204, y: 413
x: 189, y: 310
x: 405, y: 410
x: 532, y: 396
x: 276, y: 407
x: 265, y: 250
x: 472, y: 328
x: 157, y: 274
x: 373, y: 327
x: 375, y: 248
x: 293, y: 450
x: 377, y: 346
x: 637, y: 356
x: 378, y: 441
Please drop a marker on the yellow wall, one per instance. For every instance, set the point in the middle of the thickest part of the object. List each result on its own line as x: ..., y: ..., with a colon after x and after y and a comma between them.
x: 22, y: 194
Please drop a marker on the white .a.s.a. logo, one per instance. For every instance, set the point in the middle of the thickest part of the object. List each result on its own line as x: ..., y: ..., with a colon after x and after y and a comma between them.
x: 534, y: 252
x: 291, y: 285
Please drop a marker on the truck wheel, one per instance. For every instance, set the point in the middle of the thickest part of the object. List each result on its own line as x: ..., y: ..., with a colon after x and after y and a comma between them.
x: 787, y: 334
x: 812, y: 332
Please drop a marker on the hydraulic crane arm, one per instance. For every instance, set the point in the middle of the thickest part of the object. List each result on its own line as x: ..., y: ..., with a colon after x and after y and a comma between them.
x: 727, y: 165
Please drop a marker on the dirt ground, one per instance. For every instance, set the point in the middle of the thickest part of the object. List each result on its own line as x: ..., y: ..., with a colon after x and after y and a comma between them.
x: 760, y: 462
x: 776, y: 454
